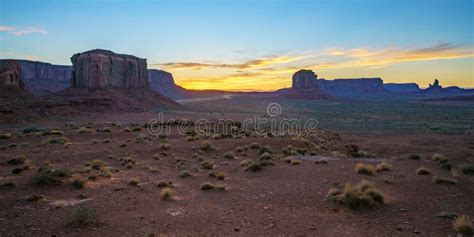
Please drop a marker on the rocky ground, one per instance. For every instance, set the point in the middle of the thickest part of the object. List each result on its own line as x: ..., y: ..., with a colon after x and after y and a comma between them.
x: 124, y: 173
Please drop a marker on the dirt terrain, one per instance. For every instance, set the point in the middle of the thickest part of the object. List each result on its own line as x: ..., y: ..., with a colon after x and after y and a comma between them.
x: 288, y: 197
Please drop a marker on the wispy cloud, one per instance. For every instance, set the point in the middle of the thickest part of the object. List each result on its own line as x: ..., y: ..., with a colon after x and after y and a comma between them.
x: 371, y: 58
x: 269, y: 73
x: 22, y: 31
x: 245, y: 65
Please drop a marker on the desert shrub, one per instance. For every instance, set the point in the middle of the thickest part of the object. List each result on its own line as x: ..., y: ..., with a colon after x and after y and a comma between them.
x: 257, y: 165
x: 17, y: 170
x: 384, y: 166
x: 106, y: 129
x: 438, y: 157
x: 164, y: 183
x: 143, y: 138
x: 184, y: 174
x: 206, y: 146
x: 78, y: 182
x: 98, y: 164
x: 295, y: 162
x: 57, y: 140
x: 56, y: 132
x: 245, y: 162
x: 133, y: 182
x: 321, y: 161
x: 229, y: 155
x: 5, y: 136
x: 165, y: 146
x: 266, y: 156
x: 414, y: 157
x: 254, y: 145
x: 206, y: 186
x: 362, y: 168
x: 166, y: 194
x: 84, y: 130
x: 467, y: 169
x: 362, y: 195
x: 220, y: 176
x: 127, y: 129
x: 264, y: 149
x: 463, y: 225
x: 239, y: 149
x: 216, y: 136
x: 423, y: 171
x: 94, y: 141
x: 136, y: 129
x: 19, y: 160
x: 190, y: 138
x: 83, y: 216
x: 47, y: 176
x: 443, y: 180
x: 207, y: 165
x: 106, y: 140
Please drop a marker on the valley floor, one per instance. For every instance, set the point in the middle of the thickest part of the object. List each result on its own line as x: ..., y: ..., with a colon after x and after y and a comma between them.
x: 283, y: 198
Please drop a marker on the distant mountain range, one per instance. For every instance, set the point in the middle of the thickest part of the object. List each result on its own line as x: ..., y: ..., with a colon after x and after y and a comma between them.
x: 43, y: 78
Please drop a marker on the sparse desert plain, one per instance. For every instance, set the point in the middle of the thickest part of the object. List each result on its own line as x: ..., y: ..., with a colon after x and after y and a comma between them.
x: 242, y: 182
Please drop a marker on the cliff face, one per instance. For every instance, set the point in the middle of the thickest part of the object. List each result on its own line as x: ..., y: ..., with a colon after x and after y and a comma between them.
x: 163, y: 82
x: 402, y: 87
x: 102, y: 69
x: 356, y: 86
x: 304, y: 86
x: 10, y: 74
x: 304, y: 79
x: 40, y: 77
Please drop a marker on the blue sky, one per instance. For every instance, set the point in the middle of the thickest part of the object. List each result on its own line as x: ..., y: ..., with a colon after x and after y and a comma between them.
x: 335, y: 38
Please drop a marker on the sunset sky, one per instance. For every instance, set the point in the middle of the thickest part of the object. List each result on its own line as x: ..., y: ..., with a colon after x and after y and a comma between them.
x: 254, y: 45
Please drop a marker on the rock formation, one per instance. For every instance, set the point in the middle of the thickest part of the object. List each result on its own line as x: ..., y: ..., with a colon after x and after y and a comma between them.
x: 103, y: 69
x: 10, y: 74
x: 163, y: 82
x: 304, y: 86
x: 402, y: 87
x: 304, y: 79
x: 353, y: 87
x: 42, y: 78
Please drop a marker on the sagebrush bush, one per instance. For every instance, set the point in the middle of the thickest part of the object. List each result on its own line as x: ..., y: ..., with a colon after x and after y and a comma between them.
x: 463, y: 225
x: 47, y: 176
x: 166, y: 193
x: 384, y: 166
x: 443, y: 180
x: 206, y: 186
x: 423, y: 171
x: 83, y: 216
x: 362, y: 168
x: 362, y: 195
x: 229, y: 155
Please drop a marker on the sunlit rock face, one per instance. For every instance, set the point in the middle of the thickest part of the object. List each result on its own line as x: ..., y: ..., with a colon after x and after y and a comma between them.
x: 103, y: 69
x: 10, y: 74
x: 304, y: 79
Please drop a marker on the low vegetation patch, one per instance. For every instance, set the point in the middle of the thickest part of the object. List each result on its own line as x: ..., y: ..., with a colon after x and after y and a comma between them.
x: 56, y: 140
x: 362, y: 195
x: 206, y: 146
x: 83, y: 216
x: 184, y: 174
x: 463, y: 225
x: 133, y: 182
x: 84, y: 130
x: 414, y: 157
x: 362, y: 168
x: 423, y: 171
x: 384, y: 166
x: 47, y: 176
x: 206, y: 186
x: 166, y: 194
x: 229, y: 155
x: 443, y: 180
x: 467, y: 169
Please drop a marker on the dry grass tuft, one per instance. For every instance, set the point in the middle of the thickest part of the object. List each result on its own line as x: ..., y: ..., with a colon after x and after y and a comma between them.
x: 362, y: 195
x: 423, y: 171
x: 463, y: 225
x: 362, y: 168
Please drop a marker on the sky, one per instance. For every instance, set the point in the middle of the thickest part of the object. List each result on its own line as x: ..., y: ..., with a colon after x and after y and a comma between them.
x: 254, y: 44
